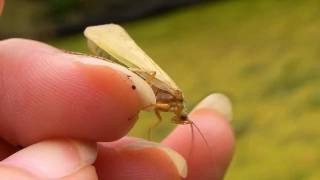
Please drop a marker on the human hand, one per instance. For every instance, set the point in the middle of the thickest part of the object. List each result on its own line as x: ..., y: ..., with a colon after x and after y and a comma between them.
x: 46, y: 93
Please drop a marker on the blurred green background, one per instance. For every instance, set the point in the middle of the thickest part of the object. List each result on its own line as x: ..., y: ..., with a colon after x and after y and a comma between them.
x: 264, y: 54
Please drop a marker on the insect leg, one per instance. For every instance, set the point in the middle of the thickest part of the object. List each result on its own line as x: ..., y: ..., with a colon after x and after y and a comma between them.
x: 159, y: 120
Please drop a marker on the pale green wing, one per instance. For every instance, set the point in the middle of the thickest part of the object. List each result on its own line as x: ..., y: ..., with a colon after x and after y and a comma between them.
x: 113, y: 40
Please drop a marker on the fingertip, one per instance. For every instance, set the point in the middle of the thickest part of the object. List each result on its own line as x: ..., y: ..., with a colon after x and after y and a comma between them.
x: 135, y: 159
x: 54, y: 158
x: 219, y: 132
x: 219, y: 103
x: 138, y: 85
x: 207, y: 151
x: 76, y: 99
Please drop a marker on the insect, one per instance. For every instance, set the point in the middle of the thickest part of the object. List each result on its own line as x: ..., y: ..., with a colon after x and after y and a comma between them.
x: 114, y: 43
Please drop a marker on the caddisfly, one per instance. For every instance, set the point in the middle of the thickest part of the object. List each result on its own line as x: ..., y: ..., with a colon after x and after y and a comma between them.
x: 114, y: 43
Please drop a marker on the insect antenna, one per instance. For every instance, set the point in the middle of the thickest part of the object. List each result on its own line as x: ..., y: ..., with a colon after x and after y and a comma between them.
x: 192, y: 140
x: 193, y: 125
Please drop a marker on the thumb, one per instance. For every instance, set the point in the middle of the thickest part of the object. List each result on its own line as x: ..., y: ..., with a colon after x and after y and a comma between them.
x: 58, y: 158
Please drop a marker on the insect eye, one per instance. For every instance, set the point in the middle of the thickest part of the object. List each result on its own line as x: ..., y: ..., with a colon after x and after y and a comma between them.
x: 184, y: 117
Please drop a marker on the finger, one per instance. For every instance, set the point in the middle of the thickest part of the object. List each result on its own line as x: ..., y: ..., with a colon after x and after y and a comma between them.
x: 209, y: 151
x: 133, y: 159
x: 52, y: 159
x: 10, y: 172
x: 47, y: 93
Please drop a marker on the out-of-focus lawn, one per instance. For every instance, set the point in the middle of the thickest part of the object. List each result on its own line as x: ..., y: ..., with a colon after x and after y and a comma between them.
x: 265, y: 55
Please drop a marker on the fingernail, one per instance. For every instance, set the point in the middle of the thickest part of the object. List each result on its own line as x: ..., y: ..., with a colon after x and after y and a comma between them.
x: 175, y: 157
x: 219, y: 103
x: 54, y: 158
x: 143, y: 89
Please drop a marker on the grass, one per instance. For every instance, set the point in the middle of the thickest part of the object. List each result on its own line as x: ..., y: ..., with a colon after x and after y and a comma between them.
x: 264, y: 54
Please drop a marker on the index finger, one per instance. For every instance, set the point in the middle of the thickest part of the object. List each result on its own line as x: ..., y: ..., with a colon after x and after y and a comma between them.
x: 46, y: 93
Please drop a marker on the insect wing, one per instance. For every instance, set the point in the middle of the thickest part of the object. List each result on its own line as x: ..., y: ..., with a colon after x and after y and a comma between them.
x: 113, y: 41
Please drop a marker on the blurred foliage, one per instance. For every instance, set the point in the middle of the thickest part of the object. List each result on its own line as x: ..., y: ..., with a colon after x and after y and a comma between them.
x: 264, y: 54
x: 20, y: 18
x: 42, y: 19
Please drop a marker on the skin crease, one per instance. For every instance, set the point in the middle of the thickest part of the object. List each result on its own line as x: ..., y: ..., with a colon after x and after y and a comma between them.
x: 38, y: 102
x: 6, y: 149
